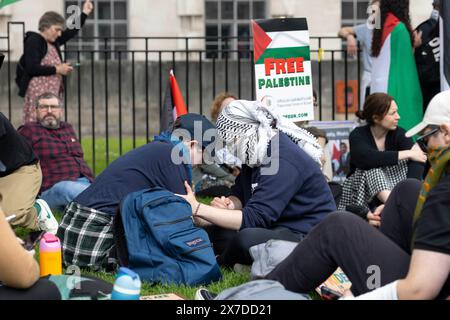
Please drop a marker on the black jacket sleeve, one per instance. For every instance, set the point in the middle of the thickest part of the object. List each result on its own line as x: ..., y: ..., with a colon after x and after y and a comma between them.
x: 415, y: 169
x: 35, y: 49
x: 70, y: 33
x: 364, y: 155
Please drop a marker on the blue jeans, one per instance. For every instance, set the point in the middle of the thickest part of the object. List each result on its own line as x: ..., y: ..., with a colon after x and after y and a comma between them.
x: 63, y: 192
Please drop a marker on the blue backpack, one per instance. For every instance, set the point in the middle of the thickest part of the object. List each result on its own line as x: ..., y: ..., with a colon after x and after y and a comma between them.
x: 162, y: 243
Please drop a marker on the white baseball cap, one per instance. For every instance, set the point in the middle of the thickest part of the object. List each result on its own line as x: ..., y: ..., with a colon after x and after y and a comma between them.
x: 438, y: 112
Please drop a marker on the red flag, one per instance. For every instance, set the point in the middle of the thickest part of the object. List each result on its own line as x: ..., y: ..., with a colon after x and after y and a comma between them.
x: 173, y: 105
x: 177, y: 97
x: 261, y: 40
x: 336, y: 153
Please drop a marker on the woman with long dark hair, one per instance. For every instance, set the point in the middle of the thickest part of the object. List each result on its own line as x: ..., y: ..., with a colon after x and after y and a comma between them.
x: 394, y: 68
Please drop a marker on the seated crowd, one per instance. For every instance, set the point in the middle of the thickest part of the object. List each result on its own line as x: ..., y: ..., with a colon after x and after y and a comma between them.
x: 276, y: 188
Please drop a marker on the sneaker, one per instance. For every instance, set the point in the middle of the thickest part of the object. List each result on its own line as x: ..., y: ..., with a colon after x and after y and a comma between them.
x: 204, y: 294
x: 46, y: 220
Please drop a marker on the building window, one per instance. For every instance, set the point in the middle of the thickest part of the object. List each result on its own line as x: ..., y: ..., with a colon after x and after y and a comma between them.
x: 231, y: 18
x: 354, y: 12
x: 108, y: 24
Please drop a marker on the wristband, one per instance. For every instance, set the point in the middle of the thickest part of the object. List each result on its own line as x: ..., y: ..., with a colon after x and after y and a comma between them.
x: 196, y: 210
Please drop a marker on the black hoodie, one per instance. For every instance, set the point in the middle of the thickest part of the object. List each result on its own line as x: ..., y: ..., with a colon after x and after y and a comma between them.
x: 35, y: 49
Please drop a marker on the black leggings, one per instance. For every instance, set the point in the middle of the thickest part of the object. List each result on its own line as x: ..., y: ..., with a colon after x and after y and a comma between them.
x: 233, y: 247
x: 43, y: 289
x: 347, y: 241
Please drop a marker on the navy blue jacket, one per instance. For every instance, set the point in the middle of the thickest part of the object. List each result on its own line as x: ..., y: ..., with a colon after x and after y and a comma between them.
x: 145, y: 167
x: 297, y: 196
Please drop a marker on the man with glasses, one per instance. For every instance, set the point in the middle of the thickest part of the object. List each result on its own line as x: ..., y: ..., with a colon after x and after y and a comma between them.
x: 64, y: 170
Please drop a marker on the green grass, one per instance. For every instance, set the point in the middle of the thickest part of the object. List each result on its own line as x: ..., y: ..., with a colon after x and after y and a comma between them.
x: 229, y: 279
x: 113, y: 150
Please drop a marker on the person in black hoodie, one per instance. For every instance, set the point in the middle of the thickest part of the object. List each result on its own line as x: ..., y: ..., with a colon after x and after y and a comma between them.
x: 41, y: 66
x: 427, y: 55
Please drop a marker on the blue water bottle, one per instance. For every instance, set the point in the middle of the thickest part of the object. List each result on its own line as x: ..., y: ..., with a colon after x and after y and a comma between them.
x: 127, y: 285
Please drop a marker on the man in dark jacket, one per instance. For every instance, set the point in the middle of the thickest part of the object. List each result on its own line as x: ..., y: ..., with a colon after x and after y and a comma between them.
x: 427, y: 55
x: 86, y: 229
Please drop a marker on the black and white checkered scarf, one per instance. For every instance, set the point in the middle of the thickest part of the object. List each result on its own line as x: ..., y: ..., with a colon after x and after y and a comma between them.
x: 246, y: 128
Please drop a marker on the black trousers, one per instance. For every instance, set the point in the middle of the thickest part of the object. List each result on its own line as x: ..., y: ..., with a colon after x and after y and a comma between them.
x: 233, y: 246
x: 347, y: 241
x: 43, y: 289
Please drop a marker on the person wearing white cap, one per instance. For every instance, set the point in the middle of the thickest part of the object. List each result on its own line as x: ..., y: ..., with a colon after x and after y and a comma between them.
x: 378, y: 266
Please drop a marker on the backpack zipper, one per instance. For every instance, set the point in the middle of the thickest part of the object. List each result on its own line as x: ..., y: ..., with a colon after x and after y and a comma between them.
x: 172, y: 222
x: 197, y: 249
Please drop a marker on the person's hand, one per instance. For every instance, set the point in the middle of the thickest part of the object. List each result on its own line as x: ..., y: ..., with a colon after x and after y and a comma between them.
x: 189, y: 197
x: 88, y: 6
x: 348, y: 295
x: 219, y: 202
x: 352, y: 46
x: 416, y: 154
x: 417, y: 38
x: 236, y: 171
x: 374, y: 218
x: 64, y: 69
x: 222, y: 203
x: 22, y: 243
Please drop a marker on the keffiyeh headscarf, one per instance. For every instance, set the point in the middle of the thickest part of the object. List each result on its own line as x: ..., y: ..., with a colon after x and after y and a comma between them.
x: 246, y: 127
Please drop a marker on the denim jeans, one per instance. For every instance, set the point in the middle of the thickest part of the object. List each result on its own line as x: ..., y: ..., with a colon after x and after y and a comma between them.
x: 63, y: 192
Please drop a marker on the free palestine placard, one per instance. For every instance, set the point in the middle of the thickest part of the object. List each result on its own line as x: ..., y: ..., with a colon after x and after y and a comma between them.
x: 283, y: 66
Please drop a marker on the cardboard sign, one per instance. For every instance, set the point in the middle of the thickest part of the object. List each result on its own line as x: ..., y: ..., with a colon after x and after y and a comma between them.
x: 283, y: 66
x: 338, y: 147
x: 351, y: 92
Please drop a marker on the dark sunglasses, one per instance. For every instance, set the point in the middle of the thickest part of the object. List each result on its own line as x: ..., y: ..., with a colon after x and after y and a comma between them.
x: 422, y: 141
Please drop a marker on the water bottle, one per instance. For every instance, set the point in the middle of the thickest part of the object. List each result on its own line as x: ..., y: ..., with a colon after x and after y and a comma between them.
x: 127, y: 285
x: 50, y: 260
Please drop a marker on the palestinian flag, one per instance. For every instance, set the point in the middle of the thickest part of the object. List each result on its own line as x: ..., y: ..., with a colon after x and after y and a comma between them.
x: 173, y: 106
x: 445, y: 43
x: 394, y: 72
x: 4, y: 3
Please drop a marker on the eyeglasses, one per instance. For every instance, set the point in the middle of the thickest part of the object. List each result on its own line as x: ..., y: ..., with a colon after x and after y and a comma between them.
x: 422, y: 141
x: 46, y: 107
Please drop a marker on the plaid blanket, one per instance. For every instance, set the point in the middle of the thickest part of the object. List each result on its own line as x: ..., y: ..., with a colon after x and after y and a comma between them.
x: 87, y: 237
x: 363, y: 185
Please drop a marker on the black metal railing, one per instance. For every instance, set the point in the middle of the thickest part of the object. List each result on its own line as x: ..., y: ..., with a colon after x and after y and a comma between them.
x: 117, y: 95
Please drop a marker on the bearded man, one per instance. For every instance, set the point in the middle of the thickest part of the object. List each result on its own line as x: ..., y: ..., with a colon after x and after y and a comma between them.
x: 64, y: 170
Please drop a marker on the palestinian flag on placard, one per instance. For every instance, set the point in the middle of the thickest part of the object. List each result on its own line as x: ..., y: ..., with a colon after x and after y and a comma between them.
x: 173, y: 105
x: 4, y: 3
x: 394, y: 72
x: 280, y: 38
x: 445, y: 43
